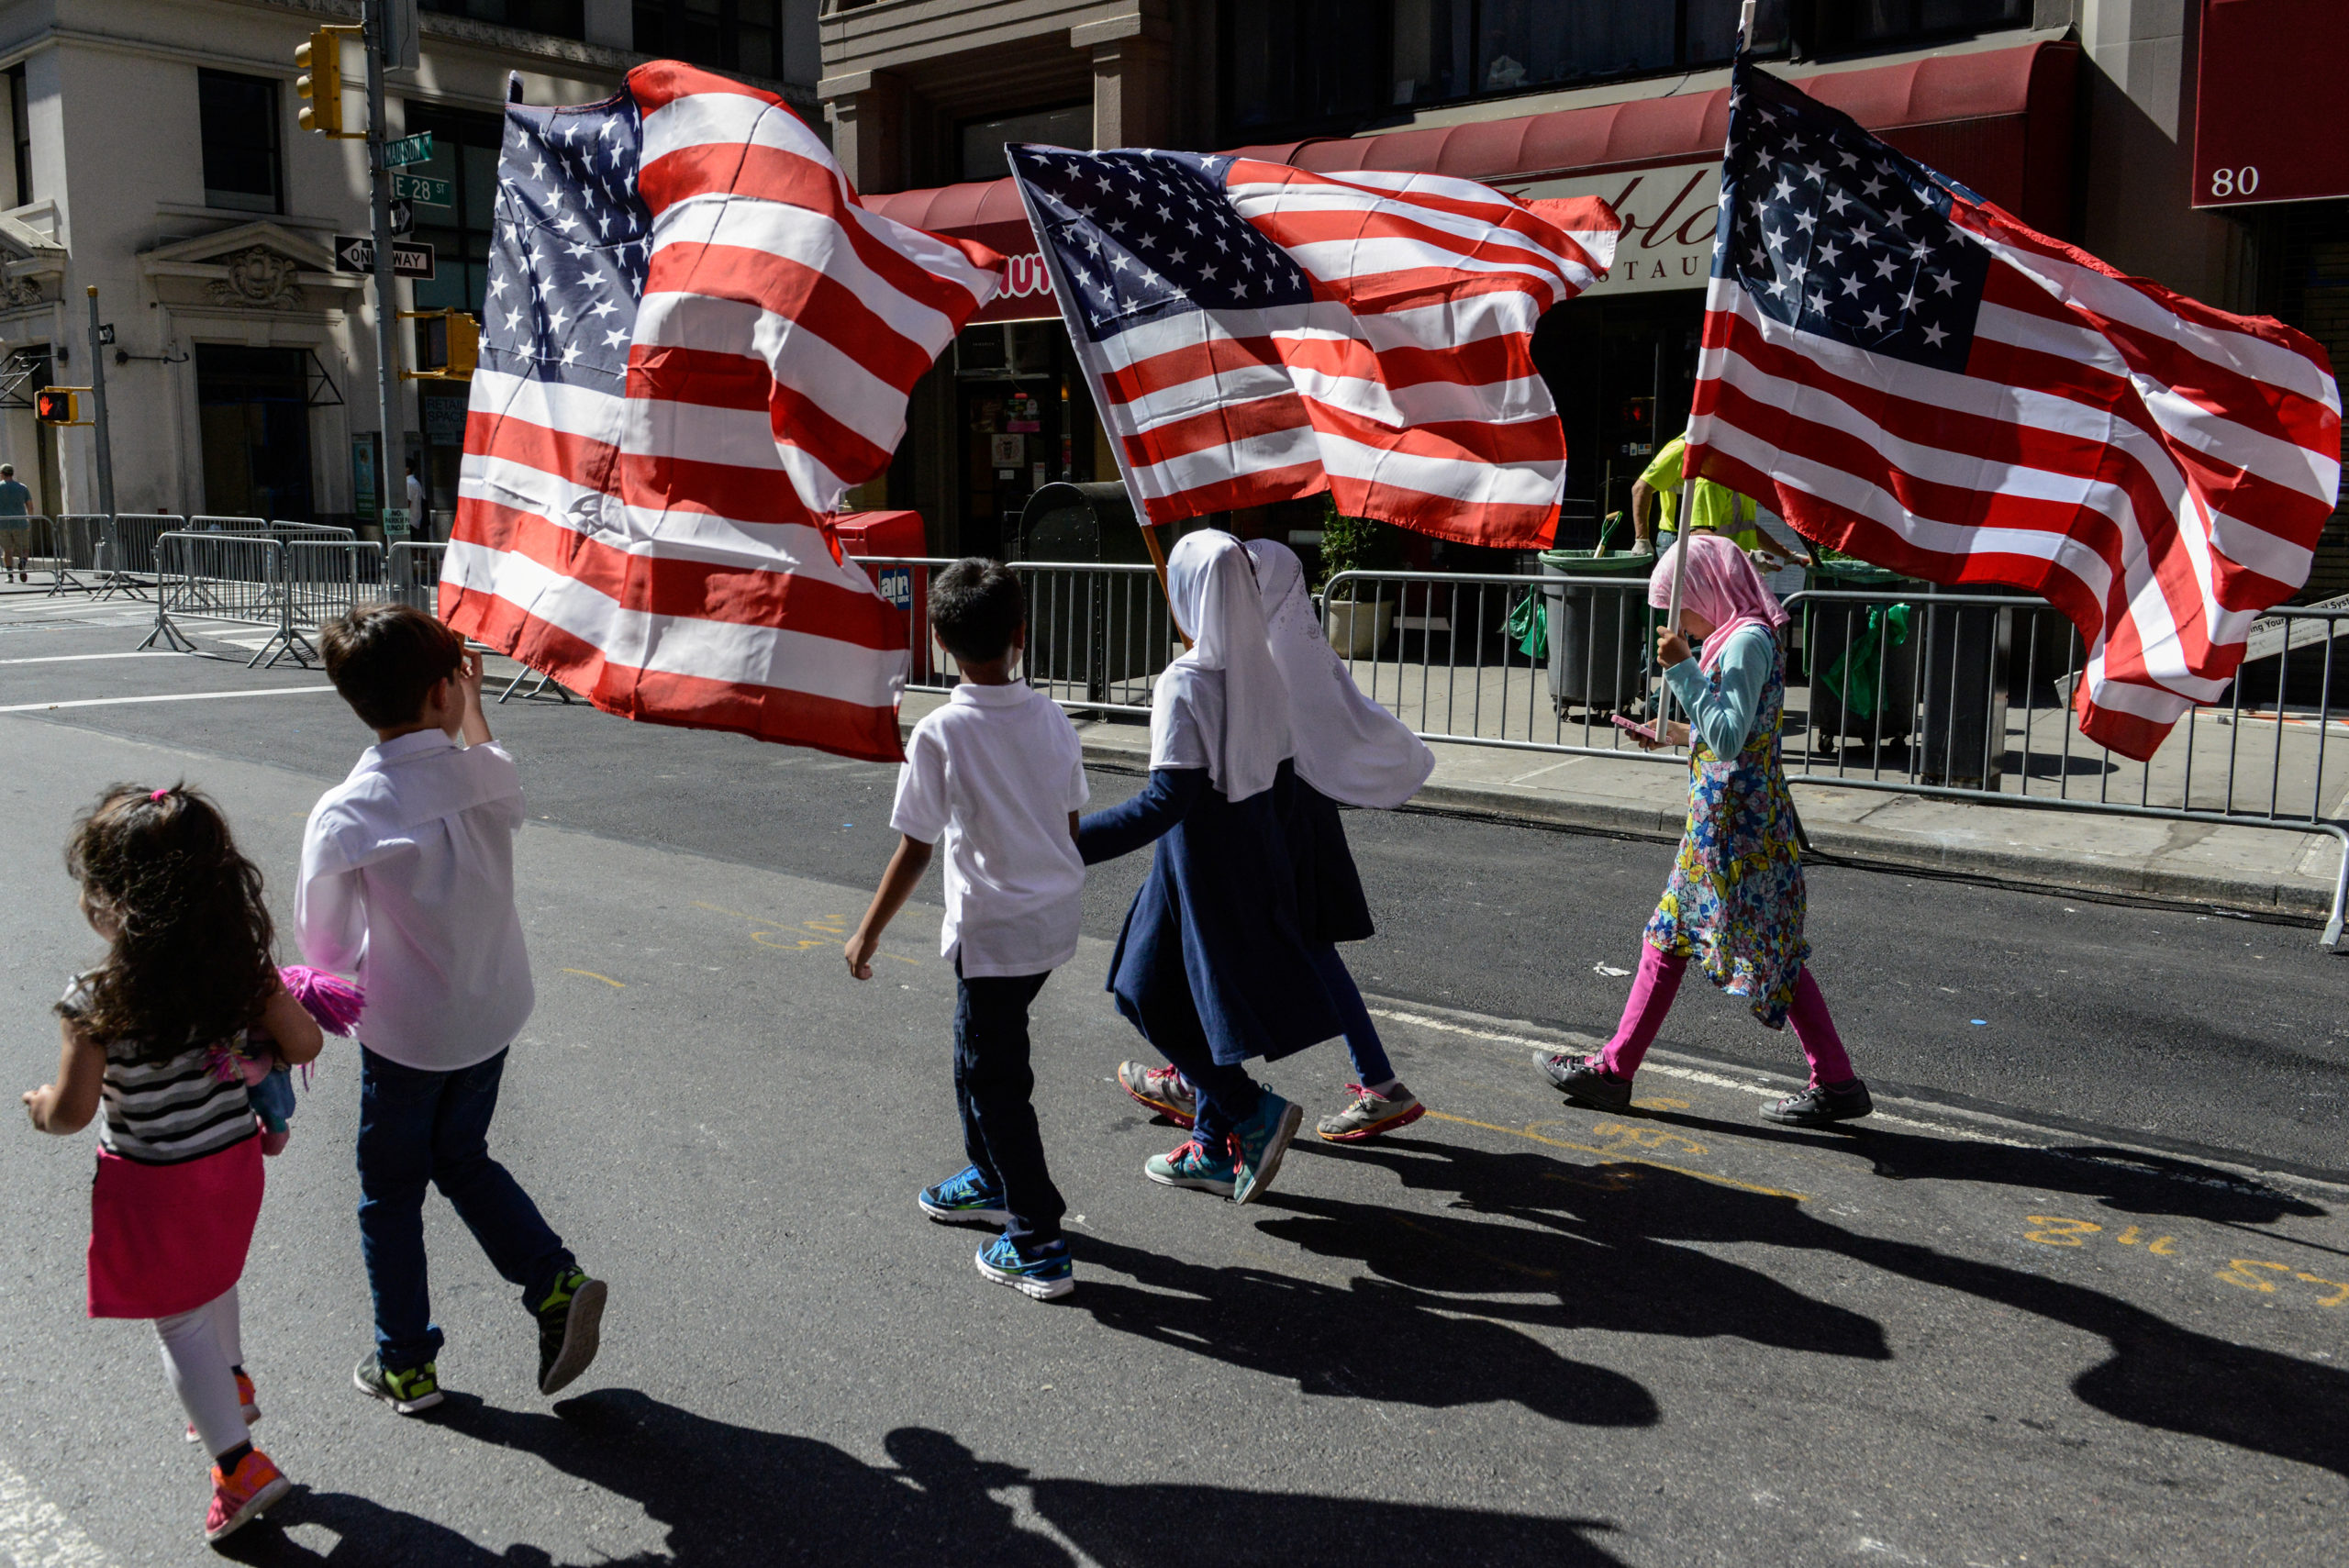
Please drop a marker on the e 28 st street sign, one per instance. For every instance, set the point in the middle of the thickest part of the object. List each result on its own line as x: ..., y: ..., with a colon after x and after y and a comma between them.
x: 356, y: 253
x: 422, y: 188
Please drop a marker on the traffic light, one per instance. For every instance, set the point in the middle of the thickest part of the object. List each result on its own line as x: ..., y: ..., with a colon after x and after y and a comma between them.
x: 56, y: 406
x: 458, y: 340
x: 321, y: 81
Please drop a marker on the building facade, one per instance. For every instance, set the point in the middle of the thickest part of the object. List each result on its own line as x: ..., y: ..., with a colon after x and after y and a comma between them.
x: 2078, y: 114
x: 157, y: 157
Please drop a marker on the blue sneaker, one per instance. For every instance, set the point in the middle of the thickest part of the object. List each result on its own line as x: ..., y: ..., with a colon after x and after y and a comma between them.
x: 1190, y: 1165
x: 1260, y: 1141
x: 965, y: 1198
x: 1045, y: 1275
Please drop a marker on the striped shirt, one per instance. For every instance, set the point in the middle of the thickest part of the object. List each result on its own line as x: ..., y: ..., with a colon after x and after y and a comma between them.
x: 163, y: 1113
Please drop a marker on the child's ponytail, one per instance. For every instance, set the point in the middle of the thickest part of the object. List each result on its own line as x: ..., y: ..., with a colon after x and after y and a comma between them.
x: 190, y: 939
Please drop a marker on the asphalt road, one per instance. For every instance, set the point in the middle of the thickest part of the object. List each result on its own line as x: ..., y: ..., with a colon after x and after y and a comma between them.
x: 2104, y: 1330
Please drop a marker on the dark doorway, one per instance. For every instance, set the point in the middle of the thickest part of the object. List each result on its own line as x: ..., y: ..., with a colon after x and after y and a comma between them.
x: 254, y: 404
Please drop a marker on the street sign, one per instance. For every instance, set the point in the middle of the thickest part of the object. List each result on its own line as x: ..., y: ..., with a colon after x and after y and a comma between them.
x: 407, y: 150
x: 419, y: 188
x: 356, y: 253
x: 402, y: 218
x: 105, y: 334
x: 396, y: 524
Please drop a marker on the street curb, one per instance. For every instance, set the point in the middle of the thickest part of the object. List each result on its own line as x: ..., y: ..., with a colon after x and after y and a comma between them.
x: 1860, y: 846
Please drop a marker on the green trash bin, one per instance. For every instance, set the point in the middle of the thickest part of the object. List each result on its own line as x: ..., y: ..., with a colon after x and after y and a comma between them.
x: 1599, y: 637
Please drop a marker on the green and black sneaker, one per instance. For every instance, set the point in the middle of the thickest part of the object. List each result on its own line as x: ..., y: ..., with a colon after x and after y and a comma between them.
x: 570, y: 1321
x: 406, y: 1392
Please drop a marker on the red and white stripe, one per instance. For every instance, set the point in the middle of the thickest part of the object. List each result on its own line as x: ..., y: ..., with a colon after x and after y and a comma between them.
x: 668, y: 552
x: 2156, y: 469
x: 1405, y: 388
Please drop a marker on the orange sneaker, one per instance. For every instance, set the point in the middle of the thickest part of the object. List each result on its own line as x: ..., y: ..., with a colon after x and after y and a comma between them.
x: 244, y: 1397
x: 240, y: 1499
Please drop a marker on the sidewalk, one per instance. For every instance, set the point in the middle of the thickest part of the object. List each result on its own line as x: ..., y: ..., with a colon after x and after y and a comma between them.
x: 2269, y: 871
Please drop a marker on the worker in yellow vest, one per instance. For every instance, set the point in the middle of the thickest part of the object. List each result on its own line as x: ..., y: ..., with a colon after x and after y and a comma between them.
x: 1717, y: 509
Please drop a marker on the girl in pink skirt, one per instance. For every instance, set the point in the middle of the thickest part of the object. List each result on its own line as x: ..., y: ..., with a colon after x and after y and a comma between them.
x: 187, y: 976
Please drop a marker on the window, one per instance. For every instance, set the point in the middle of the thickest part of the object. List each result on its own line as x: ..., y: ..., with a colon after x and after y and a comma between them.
x: 729, y: 35
x: 1305, y: 67
x: 240, y: 123
x: 561, y: 18
x: 20, y: 123
x: 465, y: 153
x: 983, y: 141
x: 1874, y: 24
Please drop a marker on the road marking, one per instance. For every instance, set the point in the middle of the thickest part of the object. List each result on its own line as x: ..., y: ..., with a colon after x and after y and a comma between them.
x: 36, y: 1535
x: 82, y: 657
x: 615, y: 985
x: 1622, y: 1158
x: 174, y: 696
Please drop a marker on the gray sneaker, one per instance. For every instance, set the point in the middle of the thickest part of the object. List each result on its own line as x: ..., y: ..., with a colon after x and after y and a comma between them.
x: 1370, y: 1114
x: 1163, y: 1089
x: 1585, y: 1081
x: 1821, y: 1105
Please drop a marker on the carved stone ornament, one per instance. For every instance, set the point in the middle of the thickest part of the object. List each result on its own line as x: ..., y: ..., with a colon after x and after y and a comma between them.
x: 259, y: 279
x: 20, y: 293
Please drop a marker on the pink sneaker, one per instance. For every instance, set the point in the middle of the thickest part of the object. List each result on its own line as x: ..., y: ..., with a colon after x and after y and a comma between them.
x: 238, y: 1500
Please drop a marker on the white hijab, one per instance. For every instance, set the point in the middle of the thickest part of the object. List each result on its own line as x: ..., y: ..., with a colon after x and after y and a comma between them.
x: 1220, y: 707
x: 1348, y: 747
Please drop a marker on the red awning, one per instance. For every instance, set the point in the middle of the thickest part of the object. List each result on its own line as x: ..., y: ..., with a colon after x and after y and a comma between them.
x: 2001, y: 120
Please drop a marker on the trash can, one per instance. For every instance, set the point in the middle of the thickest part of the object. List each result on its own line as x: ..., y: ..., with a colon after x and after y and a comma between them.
x: 1964, y: 673
x: 1106, y: 633
x: 1859, y: 659
x: 1599, y: 637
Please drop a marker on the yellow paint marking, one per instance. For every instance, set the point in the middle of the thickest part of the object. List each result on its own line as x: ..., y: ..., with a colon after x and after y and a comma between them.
x: 1624, y: 1159
x: 2057, y: 1231
x: 615, y: 985
x: 2340, y: 1291
x: 2162, y: 1246
x: 2237, y: 1273
x: 2130, y: 1237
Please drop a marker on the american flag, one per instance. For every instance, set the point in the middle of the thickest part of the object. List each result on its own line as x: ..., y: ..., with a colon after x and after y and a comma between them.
x: 1252, y: 332
x: 696, y: 340
x: 1923, y: 382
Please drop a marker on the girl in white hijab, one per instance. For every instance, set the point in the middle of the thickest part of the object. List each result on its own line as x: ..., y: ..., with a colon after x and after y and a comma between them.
x: 1348, y: 749
x: 1216, y: 962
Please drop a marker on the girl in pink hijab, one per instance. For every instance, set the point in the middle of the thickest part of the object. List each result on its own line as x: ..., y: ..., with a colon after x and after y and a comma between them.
x: 1735, y: 901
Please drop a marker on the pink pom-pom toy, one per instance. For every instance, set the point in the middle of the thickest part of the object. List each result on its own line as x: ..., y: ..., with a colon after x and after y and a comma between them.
x: 335, y: 1003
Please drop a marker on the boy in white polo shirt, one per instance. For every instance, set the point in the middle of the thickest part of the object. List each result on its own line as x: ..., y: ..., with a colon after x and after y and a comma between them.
x: 999, y: 772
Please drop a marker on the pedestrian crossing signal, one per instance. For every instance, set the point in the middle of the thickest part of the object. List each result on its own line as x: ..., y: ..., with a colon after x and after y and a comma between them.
x: 456, y: 336
x: 54, y: 405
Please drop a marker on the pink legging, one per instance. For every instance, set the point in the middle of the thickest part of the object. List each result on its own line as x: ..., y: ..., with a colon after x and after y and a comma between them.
x: 1659, y: 981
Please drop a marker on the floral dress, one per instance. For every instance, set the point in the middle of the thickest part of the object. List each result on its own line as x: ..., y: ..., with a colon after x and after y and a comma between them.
x: 1735, y: 899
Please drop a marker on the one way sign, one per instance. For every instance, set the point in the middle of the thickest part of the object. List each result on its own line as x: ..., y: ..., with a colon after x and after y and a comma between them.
x: 356, y: 253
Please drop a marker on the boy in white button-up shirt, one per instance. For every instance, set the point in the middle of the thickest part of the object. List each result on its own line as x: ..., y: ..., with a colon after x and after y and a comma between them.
x: 998, y: 774
x: 407, y: 877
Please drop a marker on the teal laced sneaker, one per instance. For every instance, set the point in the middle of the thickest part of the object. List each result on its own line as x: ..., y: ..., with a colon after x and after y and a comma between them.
x: 1046, y: 1274
x: 966, y: 1197
x: 1190, y: 1165
x: 1260, y: 1141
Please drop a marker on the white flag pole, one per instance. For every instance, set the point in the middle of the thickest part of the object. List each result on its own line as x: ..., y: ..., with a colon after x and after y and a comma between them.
x: 1689, y: 483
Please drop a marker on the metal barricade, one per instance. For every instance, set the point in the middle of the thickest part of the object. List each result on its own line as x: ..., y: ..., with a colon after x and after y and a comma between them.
x: 232, y: 577
x: 130, y: 536
x: 325, y: 579
x: 1098, y: 633
x: 412, y: 574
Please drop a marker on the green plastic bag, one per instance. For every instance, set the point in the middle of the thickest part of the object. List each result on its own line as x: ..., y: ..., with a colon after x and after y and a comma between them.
x: 1853, y: 677
x: 1531, y: 626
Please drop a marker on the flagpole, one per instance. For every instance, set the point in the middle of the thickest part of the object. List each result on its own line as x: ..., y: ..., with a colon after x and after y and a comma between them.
x: 1689, y: 481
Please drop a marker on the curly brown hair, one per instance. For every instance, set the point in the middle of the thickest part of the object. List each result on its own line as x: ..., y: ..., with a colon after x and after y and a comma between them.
x: 191, y: 952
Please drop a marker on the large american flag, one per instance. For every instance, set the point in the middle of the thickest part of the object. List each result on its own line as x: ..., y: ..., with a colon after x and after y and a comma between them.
x: 1918, y: 379
x: 1253, y: 332
x: 696, y: 340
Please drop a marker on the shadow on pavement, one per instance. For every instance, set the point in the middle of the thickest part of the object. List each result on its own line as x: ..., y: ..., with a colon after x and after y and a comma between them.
x: 736, y: 1496
x: 1617, y: 1258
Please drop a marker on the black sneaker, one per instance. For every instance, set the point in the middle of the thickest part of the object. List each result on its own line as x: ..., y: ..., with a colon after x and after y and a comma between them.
x: 406, y: 1392
x: 1821, y: 1105
x: 570, y: 1319
x: 1586, y: 1081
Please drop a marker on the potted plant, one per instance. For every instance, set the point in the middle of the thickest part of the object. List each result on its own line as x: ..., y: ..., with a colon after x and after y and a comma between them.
x: 1358, y: 544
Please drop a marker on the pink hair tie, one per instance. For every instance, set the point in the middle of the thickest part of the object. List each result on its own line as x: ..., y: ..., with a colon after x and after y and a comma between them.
x: 159, y: 794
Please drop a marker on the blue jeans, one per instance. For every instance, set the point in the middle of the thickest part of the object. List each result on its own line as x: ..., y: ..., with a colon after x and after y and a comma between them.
x: 1362, y: 1043
x: 418, y: 1128
x: 993, y: 1082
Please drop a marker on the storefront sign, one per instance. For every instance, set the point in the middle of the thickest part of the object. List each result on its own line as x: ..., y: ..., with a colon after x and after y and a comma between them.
x: 1668, y: 220
x: 2267, y: 124
x: 1026, y: 295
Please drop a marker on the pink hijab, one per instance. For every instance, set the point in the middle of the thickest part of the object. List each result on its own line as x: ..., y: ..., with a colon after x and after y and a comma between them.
x: 1722, y: 588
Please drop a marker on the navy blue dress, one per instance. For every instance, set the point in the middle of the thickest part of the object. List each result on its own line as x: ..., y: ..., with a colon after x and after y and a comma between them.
x: 1219, y: 941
